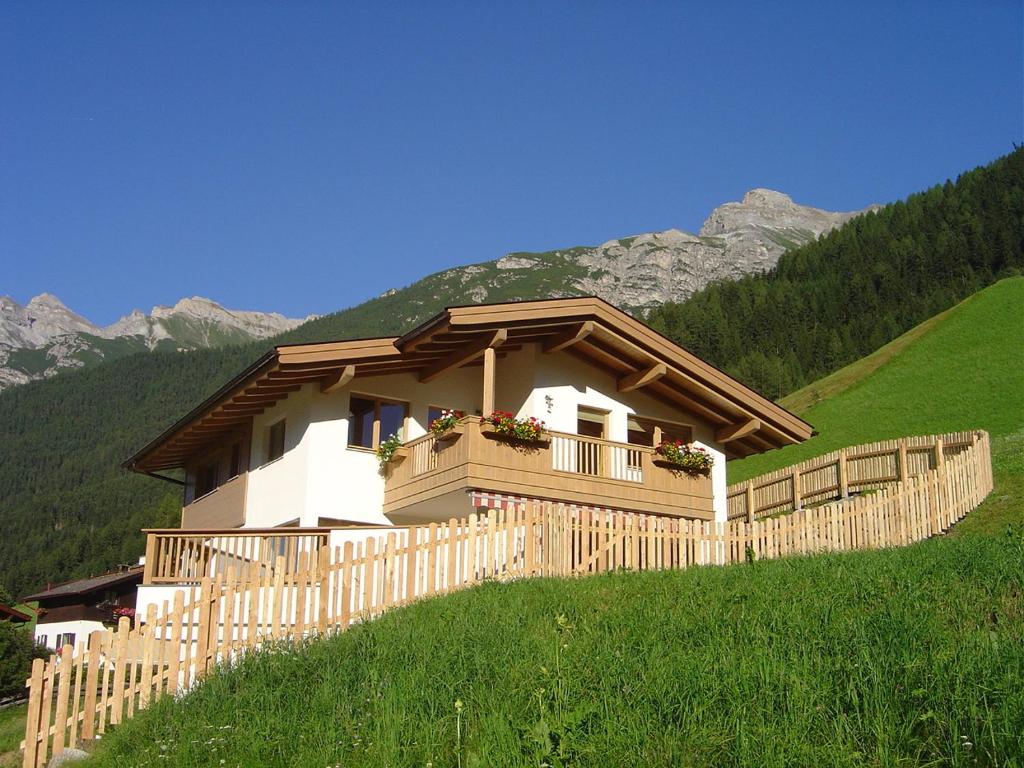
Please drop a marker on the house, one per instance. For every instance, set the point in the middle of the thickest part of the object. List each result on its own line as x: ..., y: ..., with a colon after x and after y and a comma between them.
x: 68, y: 612
x: 291, y: 440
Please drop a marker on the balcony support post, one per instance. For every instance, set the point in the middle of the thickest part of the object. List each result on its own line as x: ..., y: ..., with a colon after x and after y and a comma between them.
x: 490, y: 358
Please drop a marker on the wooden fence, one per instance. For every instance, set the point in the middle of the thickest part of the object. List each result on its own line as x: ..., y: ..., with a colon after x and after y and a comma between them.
x: 841, y: 473
x: 80, y: 692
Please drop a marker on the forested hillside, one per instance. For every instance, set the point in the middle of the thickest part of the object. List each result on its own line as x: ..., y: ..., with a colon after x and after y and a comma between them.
x: 67, y: 509
x: 831, y: 302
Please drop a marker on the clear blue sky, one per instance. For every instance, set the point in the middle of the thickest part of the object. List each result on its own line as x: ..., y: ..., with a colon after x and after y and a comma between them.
x: 302, y: 157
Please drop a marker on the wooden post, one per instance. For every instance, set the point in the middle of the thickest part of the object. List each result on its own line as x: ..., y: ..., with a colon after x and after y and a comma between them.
x: 147, y: 572
x: 797, y: 500
x: 844, y: 482
x: 487, y: 407
x: 35, y: 701
x: 750, y: 501
x: 940, y: 458
x: 903, y: 468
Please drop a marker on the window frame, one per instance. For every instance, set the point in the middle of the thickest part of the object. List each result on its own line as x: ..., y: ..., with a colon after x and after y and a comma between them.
x: 375, y: 435
x: 268, y: 453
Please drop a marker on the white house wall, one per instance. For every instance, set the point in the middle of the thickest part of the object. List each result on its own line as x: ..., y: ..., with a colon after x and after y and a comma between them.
x: 81, y: 630
x: 563, y: 384
x: 319, y: 476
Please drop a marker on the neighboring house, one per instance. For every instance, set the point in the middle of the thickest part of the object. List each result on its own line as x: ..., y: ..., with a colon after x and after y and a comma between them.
x: 68, y: 612
x: 290, y: 441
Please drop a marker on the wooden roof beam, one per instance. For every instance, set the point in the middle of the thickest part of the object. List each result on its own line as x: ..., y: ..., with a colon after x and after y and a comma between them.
x: 737, y: 431
x: 339, y: 380
x: 569, y: 338
x: 462, y: 356
x: 642, y: 378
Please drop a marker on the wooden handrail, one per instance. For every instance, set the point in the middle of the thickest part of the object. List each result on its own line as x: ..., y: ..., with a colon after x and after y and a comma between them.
x: 834, y: 475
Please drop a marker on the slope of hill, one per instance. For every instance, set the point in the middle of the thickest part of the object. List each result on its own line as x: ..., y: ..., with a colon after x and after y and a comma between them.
x: 895, y: 657
x: 840, y: 298
x: 963, y: 369
x: 44, y: 337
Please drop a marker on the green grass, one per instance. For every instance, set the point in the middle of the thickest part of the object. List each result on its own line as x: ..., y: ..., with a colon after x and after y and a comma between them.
x: 12, y: 731
x: 909, y: 656
x: 964, y: 370
x: 905, y: 658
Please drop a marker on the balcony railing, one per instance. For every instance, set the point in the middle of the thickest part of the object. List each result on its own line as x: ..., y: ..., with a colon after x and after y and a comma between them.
x: 176, y: 557
x: 564, y: 467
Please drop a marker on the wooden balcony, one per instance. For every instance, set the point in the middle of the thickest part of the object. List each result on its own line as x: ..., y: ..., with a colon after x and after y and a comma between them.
x: 570, y: 468
x: 223, y: 507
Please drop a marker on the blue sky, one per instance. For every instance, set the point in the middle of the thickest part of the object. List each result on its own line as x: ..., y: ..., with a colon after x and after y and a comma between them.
x: 303, y: 157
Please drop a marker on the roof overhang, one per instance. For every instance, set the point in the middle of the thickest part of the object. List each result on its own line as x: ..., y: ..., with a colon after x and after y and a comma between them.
x: 588, y: 328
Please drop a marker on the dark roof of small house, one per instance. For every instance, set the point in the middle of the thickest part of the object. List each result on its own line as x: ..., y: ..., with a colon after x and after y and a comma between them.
x: 91, y: 584
x: 13, y: 614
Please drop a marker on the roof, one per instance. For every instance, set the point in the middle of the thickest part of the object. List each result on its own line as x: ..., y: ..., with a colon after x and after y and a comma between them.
x: 8, y: 612
x: 91, y: 584
x: 587, y: 327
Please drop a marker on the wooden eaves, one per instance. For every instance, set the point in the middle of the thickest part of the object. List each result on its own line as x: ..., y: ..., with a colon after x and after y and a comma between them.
x: 589, y: 328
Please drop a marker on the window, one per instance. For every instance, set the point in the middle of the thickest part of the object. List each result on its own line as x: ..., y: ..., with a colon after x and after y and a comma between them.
x: 374, y: 419
x: 433, y: 412
x: 641, y: 431
x: 206, y: 479
x: 275, y: 441
x: 41, y: 640
x: 235, y: 466
x: 591, y: 422
x: 65, y: 638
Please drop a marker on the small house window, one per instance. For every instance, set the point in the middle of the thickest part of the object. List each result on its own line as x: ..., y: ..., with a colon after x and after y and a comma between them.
x: 275, y: 441
x: 65, y: 638
x: 41, y: 640
x: 235, y: 467
x: 206, y: 479
x: 374, y: 419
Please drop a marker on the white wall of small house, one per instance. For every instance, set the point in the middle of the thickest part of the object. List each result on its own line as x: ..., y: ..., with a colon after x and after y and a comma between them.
x: 47, y: 634
x: 320, y: 476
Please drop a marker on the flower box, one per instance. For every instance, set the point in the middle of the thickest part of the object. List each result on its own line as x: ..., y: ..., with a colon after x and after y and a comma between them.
x: 682, y: 457
x: 491, y: 433
x: 675, y: 466
x: 451, y: 435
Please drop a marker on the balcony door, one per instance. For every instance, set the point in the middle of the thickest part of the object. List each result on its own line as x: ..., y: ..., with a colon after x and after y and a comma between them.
x: 590, y: 458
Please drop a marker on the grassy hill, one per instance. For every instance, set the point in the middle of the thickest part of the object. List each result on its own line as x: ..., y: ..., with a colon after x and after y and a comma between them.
x: 963, y: 369
x: 902, y: 657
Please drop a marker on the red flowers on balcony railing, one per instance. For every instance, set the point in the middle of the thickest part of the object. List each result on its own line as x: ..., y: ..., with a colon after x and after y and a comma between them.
x: 685, y: 456
x: 528, y: 430
x: 445, y: 422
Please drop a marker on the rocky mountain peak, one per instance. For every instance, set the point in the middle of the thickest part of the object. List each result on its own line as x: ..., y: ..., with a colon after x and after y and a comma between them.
x: 65, y: 339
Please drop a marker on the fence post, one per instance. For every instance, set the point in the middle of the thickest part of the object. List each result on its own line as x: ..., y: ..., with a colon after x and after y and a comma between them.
x: 844, y: 483
x: 797, y: 500
x: 903, y: 469
x: 750, y: 501
x: 35, y: 701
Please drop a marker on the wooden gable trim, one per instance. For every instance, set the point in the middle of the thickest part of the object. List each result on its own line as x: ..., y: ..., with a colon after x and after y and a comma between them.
x: 464, y: 355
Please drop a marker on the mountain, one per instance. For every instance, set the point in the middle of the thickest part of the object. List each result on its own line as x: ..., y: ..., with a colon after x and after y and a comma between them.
x: 43, y: 337
x: 635, y: 273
